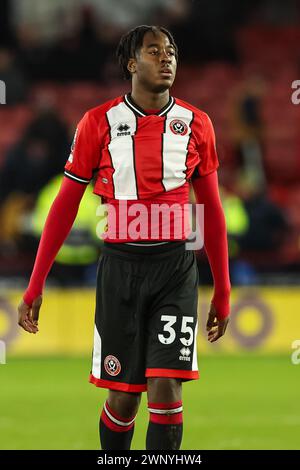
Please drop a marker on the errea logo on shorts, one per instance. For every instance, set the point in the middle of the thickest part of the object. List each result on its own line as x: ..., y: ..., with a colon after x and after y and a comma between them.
x: 185, y: 354
x: 112, y: 365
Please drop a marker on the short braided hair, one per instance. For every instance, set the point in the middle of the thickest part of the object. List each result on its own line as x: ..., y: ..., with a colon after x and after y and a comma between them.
x: 132, y: 41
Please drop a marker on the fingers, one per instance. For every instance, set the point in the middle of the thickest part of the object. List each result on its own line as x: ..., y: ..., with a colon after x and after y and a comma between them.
x: 215, y: 328
x: 211, y: 322
x: 211, y: 325
x: 215, y: 335
x: 36, y: 305
x: 212, y: 333
x: 27, y: 324
x: 218, y: 331
x: 25, y: 319
x: 212, y: 318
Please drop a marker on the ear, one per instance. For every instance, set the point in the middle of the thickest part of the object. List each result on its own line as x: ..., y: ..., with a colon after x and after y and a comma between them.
x: 131, y: 66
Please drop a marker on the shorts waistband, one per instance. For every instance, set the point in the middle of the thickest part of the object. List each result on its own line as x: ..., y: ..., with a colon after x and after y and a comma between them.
x: 144, y: 252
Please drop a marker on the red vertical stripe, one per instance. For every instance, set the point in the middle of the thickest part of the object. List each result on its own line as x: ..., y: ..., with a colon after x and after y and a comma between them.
x: 107, y: 170
x: 148, y: 154
x: 195, y: 147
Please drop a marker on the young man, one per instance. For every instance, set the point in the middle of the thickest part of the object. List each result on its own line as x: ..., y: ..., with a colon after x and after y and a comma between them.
x: 143, y: 147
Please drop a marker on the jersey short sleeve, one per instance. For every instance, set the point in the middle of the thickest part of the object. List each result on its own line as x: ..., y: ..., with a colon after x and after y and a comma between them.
x: 207, y: 149
x: 85, y: 151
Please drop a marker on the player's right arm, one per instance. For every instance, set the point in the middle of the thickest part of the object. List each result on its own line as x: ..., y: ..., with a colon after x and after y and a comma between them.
x: 57, y: 227
x: 82, y: 162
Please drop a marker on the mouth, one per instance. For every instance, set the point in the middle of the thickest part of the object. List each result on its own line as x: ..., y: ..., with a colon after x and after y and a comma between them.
x: 167, y: 73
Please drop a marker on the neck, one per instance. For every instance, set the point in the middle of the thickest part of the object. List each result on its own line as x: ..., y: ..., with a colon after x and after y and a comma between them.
x: 149, y: 100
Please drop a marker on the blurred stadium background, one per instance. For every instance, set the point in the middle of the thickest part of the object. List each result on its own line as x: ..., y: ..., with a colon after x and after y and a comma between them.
x: 238, y: 61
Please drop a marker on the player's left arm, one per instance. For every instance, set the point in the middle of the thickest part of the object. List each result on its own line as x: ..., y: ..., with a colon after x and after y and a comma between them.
x: 216, y: 247
x: 206, y: 188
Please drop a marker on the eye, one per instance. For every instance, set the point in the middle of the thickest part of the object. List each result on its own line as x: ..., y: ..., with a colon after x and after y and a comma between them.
x: 154, y: 52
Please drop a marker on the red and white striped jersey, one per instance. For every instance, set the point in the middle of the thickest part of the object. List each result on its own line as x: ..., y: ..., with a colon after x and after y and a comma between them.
x: 134, y: 155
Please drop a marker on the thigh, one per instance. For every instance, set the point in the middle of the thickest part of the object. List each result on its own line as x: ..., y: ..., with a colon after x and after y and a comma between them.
x: 172, y: 323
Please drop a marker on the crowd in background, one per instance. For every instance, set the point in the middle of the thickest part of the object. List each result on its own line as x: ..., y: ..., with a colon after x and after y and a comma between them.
x: 55, y: 40
x: 69, y: 48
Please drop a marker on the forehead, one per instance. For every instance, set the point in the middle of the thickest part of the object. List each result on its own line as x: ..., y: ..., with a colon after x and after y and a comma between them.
x: 159, y: 39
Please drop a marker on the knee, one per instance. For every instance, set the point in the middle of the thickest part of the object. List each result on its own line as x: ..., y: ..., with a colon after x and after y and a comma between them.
x: 163, y: 389
x: 124, y: 403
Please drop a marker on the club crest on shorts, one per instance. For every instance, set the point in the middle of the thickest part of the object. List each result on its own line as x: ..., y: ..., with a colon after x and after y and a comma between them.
x: 178, y: 127
x: 112, y: 365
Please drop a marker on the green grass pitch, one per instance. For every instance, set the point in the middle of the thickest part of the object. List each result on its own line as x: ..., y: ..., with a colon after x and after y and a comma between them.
x: 240, y: 402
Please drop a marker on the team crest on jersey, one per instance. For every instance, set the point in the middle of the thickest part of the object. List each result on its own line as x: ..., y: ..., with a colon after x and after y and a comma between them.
x: 123, y: 129
x: 112, y: 365
x: 178, y: 127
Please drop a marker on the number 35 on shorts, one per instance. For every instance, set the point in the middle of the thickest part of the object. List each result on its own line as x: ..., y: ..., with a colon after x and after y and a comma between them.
x: 169, y: 333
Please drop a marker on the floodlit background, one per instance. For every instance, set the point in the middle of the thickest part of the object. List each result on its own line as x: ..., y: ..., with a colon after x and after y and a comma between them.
x: 238, y: 62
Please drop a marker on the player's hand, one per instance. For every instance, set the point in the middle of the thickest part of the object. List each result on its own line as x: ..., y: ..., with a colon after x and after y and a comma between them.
x: 28, y: 317
x: 215, y: 328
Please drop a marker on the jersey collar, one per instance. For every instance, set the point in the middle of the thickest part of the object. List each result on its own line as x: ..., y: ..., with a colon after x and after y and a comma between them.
x: 140, y: 112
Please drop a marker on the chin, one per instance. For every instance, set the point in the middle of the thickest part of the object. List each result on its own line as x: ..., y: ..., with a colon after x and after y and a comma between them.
x: 163, y: 86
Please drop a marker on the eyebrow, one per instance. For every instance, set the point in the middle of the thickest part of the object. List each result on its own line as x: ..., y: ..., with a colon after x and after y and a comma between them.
x: 157, y: 45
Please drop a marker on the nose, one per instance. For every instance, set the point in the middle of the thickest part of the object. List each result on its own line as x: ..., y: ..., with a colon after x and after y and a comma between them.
x: 165, y: 57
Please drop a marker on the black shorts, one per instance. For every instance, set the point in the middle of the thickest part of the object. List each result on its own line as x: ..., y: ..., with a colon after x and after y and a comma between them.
x: 146, y: 316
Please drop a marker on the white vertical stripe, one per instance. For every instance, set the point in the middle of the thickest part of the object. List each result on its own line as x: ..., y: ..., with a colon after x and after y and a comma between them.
x: 96, y: 366
x: 121, y: 151
x: 175, y: 148
x: 195, y: 359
